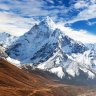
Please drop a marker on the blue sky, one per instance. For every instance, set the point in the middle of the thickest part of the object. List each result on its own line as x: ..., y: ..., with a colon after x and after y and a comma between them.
x: 77, y: 15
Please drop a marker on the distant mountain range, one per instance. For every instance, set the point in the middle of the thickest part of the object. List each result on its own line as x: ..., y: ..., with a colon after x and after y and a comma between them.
x: 48, y: 48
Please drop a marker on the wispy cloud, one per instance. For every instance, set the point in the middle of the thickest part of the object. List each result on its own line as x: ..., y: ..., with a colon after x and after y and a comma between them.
x: 81, y: 4
x: 91, y: 23
x: 17, y: 15
x: 88, y: 11
x: 51, y: 7
x: 80, y: 35
x: 15, y: 24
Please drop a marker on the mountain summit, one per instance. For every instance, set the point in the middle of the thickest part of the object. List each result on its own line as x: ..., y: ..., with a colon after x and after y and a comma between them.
x: 41, y: 42
x: 48, y: 22
x: 48, y: 48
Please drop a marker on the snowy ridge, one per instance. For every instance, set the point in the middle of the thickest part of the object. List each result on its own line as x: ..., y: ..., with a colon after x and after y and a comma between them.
x: 6, y: 39
x: 43, y: 37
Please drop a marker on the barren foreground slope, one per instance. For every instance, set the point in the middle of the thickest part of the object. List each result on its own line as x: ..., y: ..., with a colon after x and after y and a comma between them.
x: 17, y: 82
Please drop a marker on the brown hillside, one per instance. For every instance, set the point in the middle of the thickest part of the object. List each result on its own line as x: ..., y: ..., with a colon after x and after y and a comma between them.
x: 17, y: 82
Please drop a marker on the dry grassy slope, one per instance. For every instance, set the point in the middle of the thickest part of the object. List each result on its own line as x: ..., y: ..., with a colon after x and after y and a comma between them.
x: 10, y: 75
x: 16, y: 82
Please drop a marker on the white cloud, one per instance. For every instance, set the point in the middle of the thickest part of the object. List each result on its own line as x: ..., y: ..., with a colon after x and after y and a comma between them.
x: 81, y: 4
x: 14, y: 24
x: 91, y: 23
x: 87, y: 13
x: 80, y: 35
x: 35, y: 7
x: 50, y: 1
x: 28, y: 8
x: 4, y: 6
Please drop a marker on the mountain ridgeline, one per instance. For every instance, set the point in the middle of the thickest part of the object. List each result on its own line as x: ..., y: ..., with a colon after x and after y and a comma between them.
x: 46, y: 47
x: 41, y: 42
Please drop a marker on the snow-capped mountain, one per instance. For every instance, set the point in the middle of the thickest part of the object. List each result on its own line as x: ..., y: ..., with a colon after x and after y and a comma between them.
x: 46, y: 47
x: 39, y: 44
x: 6, y: 39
